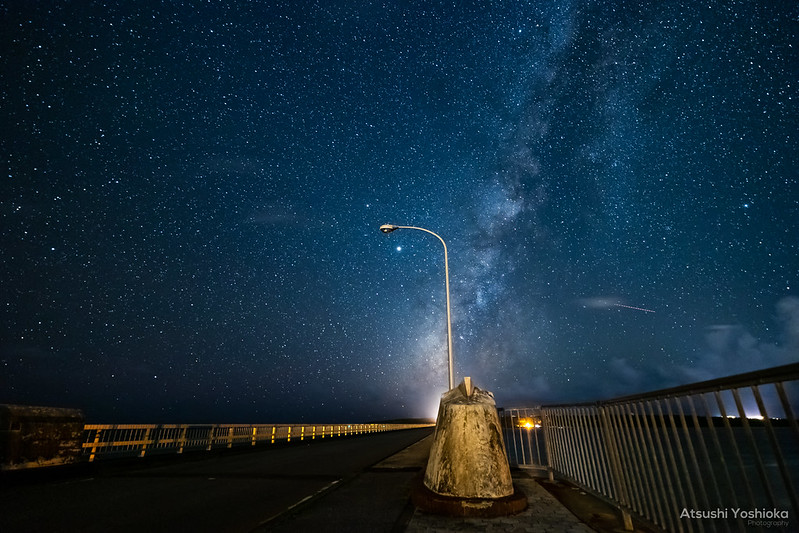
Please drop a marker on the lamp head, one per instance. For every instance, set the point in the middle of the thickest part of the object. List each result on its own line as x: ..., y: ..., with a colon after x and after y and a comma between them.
x: 388, y: 228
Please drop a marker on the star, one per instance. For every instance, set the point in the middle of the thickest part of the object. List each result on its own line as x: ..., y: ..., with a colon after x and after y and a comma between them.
x: 209, y: 183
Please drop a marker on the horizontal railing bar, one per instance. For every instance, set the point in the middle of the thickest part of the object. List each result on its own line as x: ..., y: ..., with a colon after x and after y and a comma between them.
x: 758, y: 377
x: 109, y: 444
x: 87, y: 427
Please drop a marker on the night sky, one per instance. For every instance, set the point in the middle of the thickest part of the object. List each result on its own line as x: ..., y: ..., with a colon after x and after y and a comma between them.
x: 192, y: 195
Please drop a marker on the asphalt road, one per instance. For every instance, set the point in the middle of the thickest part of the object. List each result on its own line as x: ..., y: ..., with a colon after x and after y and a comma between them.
x: 227, y: 492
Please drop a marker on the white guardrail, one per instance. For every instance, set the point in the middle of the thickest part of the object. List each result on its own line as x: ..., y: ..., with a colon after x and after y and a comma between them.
x: 138, y: 440
x: 721, y: 455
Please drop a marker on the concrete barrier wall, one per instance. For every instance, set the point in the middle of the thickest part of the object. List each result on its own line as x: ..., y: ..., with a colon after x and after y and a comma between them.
x: 32, y: 436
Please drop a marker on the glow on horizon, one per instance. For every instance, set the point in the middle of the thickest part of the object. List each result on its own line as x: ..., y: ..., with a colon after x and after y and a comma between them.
x: 751, y: 417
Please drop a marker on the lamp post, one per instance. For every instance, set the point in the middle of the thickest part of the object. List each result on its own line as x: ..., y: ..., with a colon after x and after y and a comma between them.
x: 388, y: 228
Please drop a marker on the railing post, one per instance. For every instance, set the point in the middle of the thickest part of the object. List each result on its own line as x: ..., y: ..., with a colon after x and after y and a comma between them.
x: 95, y: 444
x: 182, y: 440
x: 546, y: 425
x: 210, y: 438
x: 145, y: 442
x: 615, y: 468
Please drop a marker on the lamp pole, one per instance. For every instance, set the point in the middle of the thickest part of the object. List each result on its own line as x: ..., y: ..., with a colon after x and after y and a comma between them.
x: 388, y: 228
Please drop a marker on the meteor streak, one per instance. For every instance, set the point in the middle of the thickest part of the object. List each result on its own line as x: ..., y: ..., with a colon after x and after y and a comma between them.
x: 636, y: 308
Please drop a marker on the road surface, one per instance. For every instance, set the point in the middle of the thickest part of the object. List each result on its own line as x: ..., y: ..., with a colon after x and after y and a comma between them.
x: 234, y: 491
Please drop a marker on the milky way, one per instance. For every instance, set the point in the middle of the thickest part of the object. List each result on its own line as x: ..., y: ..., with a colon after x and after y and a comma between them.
x: 190, y: 215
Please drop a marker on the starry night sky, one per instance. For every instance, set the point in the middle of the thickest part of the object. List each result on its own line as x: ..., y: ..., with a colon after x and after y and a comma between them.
x: 192, y: 195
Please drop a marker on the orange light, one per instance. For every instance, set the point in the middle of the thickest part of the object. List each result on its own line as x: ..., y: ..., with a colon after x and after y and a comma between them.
x: 528, y: 423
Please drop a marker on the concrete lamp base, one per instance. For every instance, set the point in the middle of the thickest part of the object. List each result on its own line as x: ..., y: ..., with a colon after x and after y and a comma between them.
x: 428, y: 501
x: 467, y: 472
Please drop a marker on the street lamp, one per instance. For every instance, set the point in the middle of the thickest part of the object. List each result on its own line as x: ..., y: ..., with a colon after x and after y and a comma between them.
x: 388, y: 228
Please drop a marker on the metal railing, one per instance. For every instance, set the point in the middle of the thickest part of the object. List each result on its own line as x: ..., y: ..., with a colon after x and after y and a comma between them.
x: 718, y: 455
x: 138, y: 440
